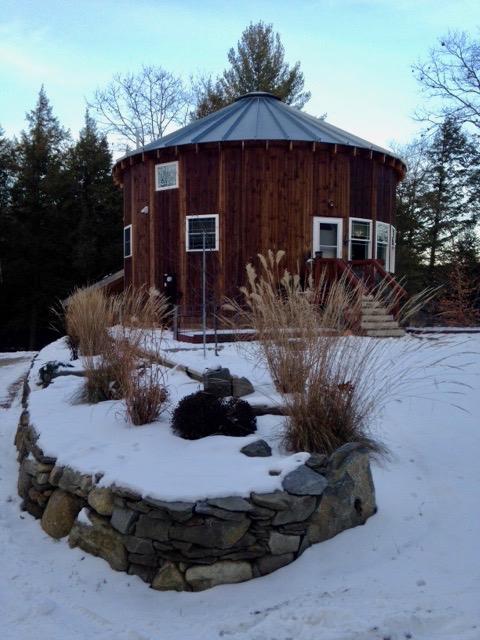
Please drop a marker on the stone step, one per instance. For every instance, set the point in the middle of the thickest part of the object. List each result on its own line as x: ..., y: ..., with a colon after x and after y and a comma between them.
x: 379, y: 325
x: 385, y: 333
x: 377, y: 317
x: 374, y: 310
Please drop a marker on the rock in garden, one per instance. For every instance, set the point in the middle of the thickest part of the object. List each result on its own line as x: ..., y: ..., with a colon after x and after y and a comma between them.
x: 317, y: 462
x: 178, y: 511
x: 233, y: 503
x: 139, y: 545
x: 220, y: 534
x: 218, y: 382
x: 101, y: 499
x: 151, y: 528
x: 257, y: 449
x: 123, y: 520
x: 60, y: 513
x: 303, y: 481
x: 168, y: 578
x: 241, y: 387
x: 280, y: 543
x: 222, y: 572
x: 100, y: 540
x: 268, y: 563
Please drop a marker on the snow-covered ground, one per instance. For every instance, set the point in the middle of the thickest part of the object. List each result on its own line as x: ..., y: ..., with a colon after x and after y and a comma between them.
x: 411, y: 572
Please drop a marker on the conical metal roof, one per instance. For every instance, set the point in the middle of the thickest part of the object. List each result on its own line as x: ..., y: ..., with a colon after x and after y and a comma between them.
x: 259, y: 116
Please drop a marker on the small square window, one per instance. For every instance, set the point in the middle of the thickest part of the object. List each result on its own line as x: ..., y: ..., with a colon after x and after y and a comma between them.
x: 127, y: 241
x: 166, y: 176
x: 202, y: 231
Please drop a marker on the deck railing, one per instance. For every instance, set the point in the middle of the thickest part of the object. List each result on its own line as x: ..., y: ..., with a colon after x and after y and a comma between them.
x: 369, y: 275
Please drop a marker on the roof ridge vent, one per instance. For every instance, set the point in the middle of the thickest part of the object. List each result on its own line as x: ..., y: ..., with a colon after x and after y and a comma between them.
x: 258, y: 94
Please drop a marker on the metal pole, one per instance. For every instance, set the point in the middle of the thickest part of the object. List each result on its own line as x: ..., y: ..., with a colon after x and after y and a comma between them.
x: 204, y: 296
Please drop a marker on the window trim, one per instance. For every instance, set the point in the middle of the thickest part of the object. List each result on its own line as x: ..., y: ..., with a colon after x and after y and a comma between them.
x: 187, y: 231
x: 387, y: 243
x: 393, y: 249
x: 129, y: 227
x: 317, y: 220
x: 350, y: 226
x: 164, y: 164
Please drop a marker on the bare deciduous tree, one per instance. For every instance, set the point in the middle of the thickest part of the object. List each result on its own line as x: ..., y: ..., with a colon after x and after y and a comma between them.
x: 140, y: 107
x: 450, y: 78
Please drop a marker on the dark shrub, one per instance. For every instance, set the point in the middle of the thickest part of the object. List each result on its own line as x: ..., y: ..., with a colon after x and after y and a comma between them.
x: 203, y: 414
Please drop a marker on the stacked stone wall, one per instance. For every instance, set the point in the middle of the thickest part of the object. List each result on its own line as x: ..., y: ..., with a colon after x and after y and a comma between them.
x: 195, y: 545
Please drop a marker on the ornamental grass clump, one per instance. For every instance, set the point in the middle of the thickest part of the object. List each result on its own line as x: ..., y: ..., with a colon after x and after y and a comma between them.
x: 88, y: 316
x: 304, y: 336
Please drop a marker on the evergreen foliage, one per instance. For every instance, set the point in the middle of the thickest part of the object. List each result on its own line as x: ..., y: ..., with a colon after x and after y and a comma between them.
x: 60, y: 221
x: 257, y: 64
x: 202, y: 414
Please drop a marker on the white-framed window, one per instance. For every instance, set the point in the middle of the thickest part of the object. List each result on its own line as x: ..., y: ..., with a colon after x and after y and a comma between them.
x: 360, y: 239
x: 382, y: 243
x: 327, y: 237
x: 393, y: 246
x: 127, y: 241
x: 202, y: 231
x: 166, y: 176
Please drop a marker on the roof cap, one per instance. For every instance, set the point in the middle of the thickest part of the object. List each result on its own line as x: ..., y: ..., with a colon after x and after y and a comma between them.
x: 258, y: 94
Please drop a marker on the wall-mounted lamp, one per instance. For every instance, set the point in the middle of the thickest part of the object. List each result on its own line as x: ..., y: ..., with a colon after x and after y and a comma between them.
x: 331, y: 204
x: 144, y: 210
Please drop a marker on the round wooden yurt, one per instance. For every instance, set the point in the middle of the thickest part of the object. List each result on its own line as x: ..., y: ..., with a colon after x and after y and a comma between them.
x: 253, y: 176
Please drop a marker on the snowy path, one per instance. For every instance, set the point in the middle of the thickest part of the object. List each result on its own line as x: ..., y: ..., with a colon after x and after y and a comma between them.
x: 411, y: 572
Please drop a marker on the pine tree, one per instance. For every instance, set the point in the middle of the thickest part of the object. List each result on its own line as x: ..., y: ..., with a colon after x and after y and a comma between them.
x: 447, y: 207
x: 96, y: 204
x: 257, y: 64
x: 6, y: 176
x: 39, y: 268
x: 408, y: 217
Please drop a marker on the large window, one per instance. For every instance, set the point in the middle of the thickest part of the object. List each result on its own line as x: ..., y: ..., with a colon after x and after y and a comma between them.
x: 360, y: 239
x: 202, y: 232
x: 166, y: 176
x: 382, y: 242
x: 327, y: 237
x: 127, y: 241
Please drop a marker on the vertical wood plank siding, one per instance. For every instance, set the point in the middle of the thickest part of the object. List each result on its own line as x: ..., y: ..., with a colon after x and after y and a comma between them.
x: 265, y: 195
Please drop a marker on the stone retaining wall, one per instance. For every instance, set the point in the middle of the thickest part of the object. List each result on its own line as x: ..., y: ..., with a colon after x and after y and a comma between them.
x: 190, y: 546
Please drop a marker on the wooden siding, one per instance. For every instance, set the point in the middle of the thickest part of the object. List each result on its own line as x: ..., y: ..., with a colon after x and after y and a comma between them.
x: 266, y: 196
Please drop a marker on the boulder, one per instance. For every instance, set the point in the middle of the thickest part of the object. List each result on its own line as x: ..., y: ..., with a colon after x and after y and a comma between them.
x: 139, y: 545
x: 241, y: 387
x: 233, y: 503
x: 220, y: 534
x: 178, y: 511
x: 280, y: 544
x: 268, y: 563
x: 222, y: 572
x: 60, y: 513
x: 101, y: 499
x: 169, y: 578
x: 101, y: 540
x: 218, y: 382
x: 123, y: 520
x: 257, y: 449
x: 206, y: 509
x: 152, y: 528
x: 289, y: 508
x: 303, y: 481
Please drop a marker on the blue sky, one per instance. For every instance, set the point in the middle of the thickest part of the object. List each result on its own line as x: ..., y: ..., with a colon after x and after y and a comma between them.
x: 355, y: 54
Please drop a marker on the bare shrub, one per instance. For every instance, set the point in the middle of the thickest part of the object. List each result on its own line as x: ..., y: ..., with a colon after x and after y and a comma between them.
x: 323, y: 372
x: 141, y: 315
